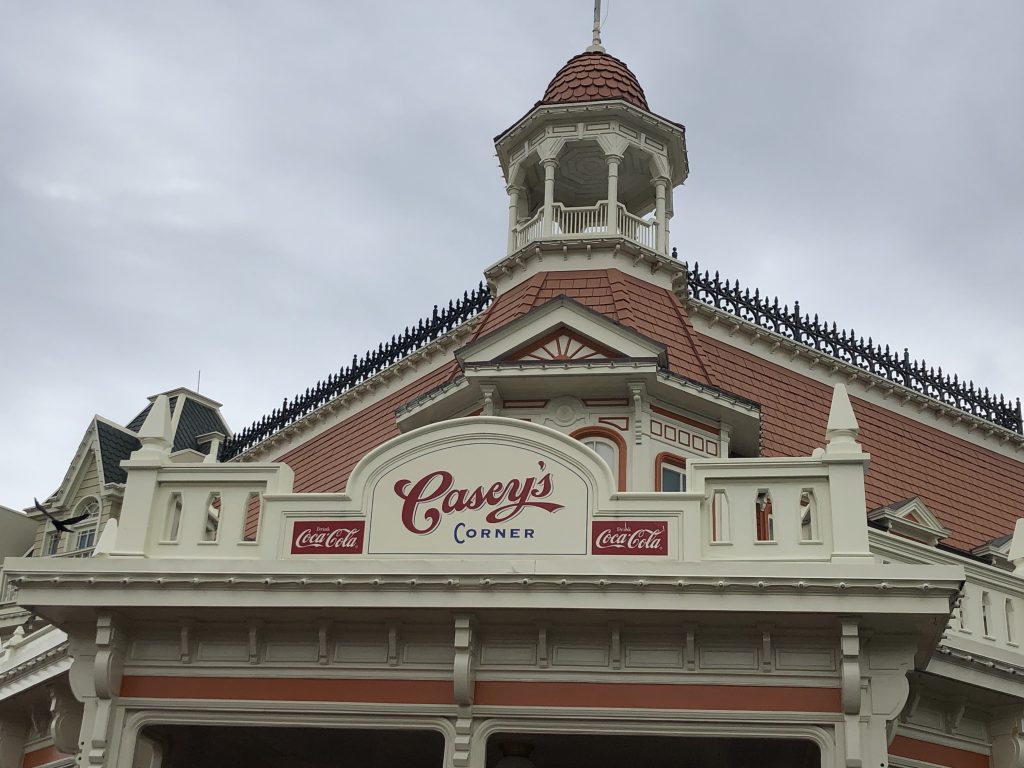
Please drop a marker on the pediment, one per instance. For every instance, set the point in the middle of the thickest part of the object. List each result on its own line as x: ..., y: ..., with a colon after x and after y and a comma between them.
x: 911, y: 519
x: 560, y: 331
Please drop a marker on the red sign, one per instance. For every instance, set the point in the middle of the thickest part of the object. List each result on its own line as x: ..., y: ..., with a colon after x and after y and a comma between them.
x: 328, y: 537
x: 629, y: 537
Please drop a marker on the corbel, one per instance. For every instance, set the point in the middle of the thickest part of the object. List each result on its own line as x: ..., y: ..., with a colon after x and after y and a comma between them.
x: 186, y: 642
x: 638, y: 392
x: 393, y: 643
x: 255, y: 625
x: 956, y: 717
x: 465, y: 658
x: 108, y: 669
x: 767, y: 659
x: 542, y: 645
x: 850, y: 690
x: 492, y: 399
x: 65, y: 718
x: 616, y: 645
x: 323, y: 642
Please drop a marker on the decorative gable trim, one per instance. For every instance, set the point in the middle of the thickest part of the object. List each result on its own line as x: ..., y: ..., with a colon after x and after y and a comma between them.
x: 911, y: 519
x: 551, y: 327
x: 564, y: 344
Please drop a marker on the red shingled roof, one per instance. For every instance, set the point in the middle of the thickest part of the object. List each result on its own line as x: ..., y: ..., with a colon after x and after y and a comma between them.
x: 594, y: 77
x: 973, y: 491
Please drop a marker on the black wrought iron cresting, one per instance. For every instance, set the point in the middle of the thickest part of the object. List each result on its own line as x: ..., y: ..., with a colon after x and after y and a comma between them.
x: 374, y: 361
x: 848, y: 347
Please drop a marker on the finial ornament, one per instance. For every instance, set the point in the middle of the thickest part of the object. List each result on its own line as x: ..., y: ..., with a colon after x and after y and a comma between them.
x: 842, y: 429
x: 595, y: 46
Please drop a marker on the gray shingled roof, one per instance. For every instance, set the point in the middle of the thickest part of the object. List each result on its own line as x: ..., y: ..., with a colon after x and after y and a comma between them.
x: 196, y: 419
x: 115, y: 446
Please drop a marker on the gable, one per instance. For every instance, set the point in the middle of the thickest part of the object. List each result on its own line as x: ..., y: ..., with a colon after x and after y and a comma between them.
x: 563, y: 330
x: 564, y: 344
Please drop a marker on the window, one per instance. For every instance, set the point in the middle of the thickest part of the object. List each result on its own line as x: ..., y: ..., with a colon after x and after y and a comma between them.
x: 173, y: 520
x: 85, y: 533
x: 669, y: 473
x: 719, y: 517
x: 52, y: 543
x: 610, y: 446
x: 86, y: 537
x: 605, y: 449
x: 765, y: 518
x: 1011, y: 622
x: 808, y: 516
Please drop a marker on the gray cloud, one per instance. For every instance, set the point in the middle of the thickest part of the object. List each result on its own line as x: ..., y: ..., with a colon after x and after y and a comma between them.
x: 258, y: 190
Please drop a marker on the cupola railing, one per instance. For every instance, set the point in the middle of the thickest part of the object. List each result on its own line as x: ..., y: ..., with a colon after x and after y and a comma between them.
x: 586, y: 221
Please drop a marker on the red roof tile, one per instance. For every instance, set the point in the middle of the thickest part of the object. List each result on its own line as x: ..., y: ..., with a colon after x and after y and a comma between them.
x: 973, y: 491
x: 594, y: 77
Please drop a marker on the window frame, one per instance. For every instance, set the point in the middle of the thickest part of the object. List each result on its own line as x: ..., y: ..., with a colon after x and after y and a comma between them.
x: 675, y: 461
x: 613, y: 437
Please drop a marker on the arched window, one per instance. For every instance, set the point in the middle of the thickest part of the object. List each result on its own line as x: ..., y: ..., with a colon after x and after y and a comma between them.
x: 765, y: 517
x: 609, y: 445
x: 719, y: 517
x: 808, y: 516
x: 669, y: 472
x: 85, y: 531
x: 1011, y: 621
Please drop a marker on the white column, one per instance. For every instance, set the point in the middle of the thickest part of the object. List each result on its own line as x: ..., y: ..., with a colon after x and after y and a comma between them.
x: 513, y: 215
x: 549, y: 192
x: 613, y: 193
x: 661, y: 220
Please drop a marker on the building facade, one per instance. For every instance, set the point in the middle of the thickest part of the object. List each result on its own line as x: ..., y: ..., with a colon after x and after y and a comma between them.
x: 605, y: 509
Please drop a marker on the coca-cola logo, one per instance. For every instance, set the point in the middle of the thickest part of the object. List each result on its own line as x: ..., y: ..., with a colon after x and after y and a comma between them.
x: 328, y: 537
x: 427, y: 500
x: 630, y: 537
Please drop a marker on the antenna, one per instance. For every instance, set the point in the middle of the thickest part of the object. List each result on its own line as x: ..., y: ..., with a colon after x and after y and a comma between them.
x: 199, y: 378
x: 595, y: 46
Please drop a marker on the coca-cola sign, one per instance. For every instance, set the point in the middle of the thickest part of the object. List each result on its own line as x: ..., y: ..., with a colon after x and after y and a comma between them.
x: 328, y: 537
x: 629, y: 537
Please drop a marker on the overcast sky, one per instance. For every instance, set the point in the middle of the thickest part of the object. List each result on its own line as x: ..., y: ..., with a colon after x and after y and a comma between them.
x: 261, y: 189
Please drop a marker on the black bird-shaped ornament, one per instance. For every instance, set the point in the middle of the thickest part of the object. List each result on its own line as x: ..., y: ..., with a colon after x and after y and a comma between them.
x: 61, y: 525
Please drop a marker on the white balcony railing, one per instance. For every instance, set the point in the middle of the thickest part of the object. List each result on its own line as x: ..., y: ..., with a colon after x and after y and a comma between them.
x: 637, y: 229
x: 585, y: 221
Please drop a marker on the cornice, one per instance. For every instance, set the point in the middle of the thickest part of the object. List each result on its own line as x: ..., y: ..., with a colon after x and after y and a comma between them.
x: 413, y: 582
x: 566, y: 248
x: 35, y: 663
x: 775, y: 342
x: 908, y: 551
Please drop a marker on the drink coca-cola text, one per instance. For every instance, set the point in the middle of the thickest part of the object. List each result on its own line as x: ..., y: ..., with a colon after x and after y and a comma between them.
x: 328, y: 537
x: 630, y: 537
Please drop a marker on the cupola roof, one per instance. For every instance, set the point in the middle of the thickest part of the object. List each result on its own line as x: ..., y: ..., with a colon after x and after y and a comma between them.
x: 594, y: 76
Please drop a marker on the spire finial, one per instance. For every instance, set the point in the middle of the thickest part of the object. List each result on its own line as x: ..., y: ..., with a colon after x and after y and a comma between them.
x: 595, y: 46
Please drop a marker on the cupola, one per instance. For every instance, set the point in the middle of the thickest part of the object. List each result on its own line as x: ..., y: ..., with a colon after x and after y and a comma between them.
x: 591, y: 161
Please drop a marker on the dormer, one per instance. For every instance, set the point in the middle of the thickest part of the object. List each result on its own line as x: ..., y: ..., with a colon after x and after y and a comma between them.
x: 911, y: 519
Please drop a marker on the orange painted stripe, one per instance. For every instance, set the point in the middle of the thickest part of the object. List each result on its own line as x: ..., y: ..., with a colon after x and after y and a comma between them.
x: 658, y: 696
x: 939, y: 754
x: 289, y: 689
x: 42, y: 756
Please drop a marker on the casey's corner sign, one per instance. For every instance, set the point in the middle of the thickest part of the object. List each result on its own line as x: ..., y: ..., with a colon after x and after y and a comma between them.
x: 456, y: 489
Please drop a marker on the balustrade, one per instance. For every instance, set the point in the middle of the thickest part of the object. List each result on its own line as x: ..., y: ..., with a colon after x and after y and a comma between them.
x: 586, y: 221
